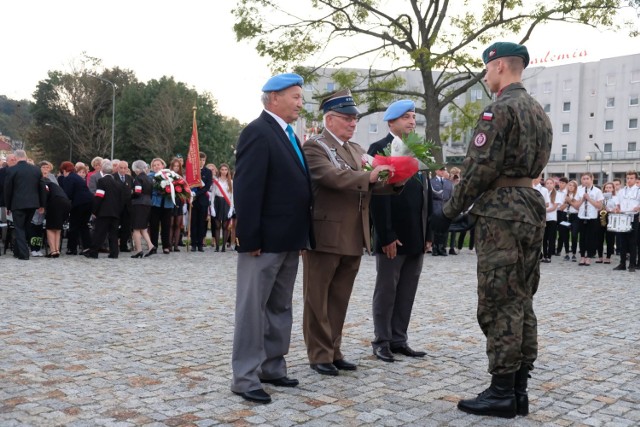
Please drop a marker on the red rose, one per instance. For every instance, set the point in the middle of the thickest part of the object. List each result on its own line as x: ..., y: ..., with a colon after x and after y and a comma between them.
x: 167, y: 189
x: 178, y: 189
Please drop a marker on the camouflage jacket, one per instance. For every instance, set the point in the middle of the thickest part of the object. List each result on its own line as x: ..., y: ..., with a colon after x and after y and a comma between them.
x: 512, y: 138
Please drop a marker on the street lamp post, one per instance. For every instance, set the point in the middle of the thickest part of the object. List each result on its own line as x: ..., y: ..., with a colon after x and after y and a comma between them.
x: 68, y: 136
x: 113, y: 110
x: 587, y: 159
x: 601, y: 167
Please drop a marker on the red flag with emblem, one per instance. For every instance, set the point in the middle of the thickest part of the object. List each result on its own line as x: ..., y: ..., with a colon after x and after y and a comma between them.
x: 192, y: 170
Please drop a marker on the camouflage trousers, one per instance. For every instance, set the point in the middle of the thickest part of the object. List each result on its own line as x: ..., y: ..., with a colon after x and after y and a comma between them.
x: 508, y: 277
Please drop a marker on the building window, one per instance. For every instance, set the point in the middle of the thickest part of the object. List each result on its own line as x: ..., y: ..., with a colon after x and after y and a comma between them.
x: 546, y: 87
x: 592, y: 115
x: 566, y: 85
x: 308, y: 87
x: 633, y: 101
x: 635, y: 76
x: 607, y: 147
x: 633, y: 123
x: 590, y: 136
x: 476, y: 94
x: 631, y: 146
x: 547, y: 108
x: 331, y: 86
x: 611, y: 79
x: 608, y: 125
x: 611, y: 102
x: 373, y: 128
x: 566, y: 106
x: 566, y: 128
x: 564, y: 152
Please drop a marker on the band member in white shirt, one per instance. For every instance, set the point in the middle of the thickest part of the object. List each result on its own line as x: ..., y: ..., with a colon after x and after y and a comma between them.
x: 628, y: 200
x: 589, y: 202
x: 551, y: 226
x: 563, y: 218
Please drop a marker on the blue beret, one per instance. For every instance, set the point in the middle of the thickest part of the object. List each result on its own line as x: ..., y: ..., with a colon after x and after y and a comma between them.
x: 398, y: 108
x: 282, y: 81
x: 342, y: 102
x: 502, y: 49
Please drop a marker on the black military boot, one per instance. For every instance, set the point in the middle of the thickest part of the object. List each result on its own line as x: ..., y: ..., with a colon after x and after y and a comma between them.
x: 520, y: 389
x: 498, y: 400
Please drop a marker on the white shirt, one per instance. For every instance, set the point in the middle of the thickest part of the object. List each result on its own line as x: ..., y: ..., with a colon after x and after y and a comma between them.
x: 545, y: 194
x: 595, y: 195
x: 553, y: 215
x: 628, y: 198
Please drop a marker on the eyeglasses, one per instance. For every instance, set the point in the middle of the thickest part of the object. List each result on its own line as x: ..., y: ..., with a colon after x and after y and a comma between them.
x: 348, y: 119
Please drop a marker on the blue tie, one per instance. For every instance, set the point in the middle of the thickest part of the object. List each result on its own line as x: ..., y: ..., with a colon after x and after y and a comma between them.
x: 292, y: 138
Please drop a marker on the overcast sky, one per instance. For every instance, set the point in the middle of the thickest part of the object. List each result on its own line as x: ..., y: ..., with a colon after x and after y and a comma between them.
x: 191, y: 40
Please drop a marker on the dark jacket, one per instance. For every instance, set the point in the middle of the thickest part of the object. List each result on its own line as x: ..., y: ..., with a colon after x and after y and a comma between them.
x: 76, y: 189
x: 202, y: 193
x: 271, y: 191
x: 127, y: 190
x: 107, y: 201
x: 404, y: 216
x: 142, y: 189
x: 24, y: 187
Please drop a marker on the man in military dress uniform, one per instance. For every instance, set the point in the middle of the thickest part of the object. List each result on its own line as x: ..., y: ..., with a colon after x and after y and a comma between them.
x: 510, y: 146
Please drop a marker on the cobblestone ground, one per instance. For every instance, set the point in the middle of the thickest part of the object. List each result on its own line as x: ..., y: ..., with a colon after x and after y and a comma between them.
x: 133, y: 342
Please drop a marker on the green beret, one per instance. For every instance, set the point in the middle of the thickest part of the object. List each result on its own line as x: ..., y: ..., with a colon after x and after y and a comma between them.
x: 502, y: 49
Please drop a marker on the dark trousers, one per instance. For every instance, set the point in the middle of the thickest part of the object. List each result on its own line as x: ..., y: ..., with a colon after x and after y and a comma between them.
x: 605, y: 236
x: 395, y: 291
x: 160, y: 222
x: 549, y: 240
x: 21, y: 220
x: 106, y: 228
x: 124, y: 233
x: 575, y: 232
x: 629, y: 245
x: 462, y: 235
x: 198, y: 224
x: 79, y: 227
x: 588, y: 229
x: 563, y: 233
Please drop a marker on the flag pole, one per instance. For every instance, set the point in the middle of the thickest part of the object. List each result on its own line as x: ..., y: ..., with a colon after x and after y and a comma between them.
x: 190, y: 156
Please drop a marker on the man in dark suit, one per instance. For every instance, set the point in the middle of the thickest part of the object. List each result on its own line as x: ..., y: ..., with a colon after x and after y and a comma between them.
x: 200, y: 207
x: 273, y: 202
x: 341, y: 192
x: 126, y: 186
x: 24, y: 192
x: 107, y: 206
x: 400, y: 231
x: 442, y: 190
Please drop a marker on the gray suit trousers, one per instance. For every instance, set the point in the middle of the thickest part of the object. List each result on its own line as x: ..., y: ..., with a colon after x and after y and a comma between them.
x: 263, y: 318
x: 396, y: 285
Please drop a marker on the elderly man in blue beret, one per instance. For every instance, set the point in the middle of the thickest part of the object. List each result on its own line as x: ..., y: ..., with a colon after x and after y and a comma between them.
x: 510, y: 146
x: 272, y: 195
x: 400, y: 236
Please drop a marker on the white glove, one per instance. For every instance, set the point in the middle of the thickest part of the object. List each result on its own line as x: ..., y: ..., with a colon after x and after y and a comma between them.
x: 230, y: 213
x: 212, y: 210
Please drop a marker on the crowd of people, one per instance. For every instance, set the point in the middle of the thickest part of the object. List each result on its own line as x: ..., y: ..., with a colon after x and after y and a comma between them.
x: 112, y: 208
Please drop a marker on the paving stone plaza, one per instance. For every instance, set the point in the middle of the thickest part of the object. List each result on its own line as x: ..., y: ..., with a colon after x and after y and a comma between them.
x: 147, y: 342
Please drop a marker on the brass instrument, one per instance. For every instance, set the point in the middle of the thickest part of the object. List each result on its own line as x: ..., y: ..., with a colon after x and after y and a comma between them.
x: 603, y: 211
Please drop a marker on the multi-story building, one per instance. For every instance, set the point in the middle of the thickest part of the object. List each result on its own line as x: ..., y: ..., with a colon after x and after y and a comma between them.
x: 593, y: 107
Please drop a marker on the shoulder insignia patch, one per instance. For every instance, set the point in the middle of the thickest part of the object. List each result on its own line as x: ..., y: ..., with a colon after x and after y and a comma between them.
x: 487, y: 116
x: 480, y: 139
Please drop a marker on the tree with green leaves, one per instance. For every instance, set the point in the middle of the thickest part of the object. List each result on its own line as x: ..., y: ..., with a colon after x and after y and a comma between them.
x: 437, y: 38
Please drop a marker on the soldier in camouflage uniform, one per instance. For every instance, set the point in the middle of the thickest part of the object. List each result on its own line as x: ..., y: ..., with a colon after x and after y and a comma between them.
x: 510, y: 146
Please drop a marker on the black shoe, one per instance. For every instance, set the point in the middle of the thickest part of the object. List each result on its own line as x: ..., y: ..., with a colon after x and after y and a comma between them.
x: 498, y: 400
x: 281, y: 382
x: 138, y: 255
x: 200, y: 249
x: 343, y: 365
x: 452, y: 252
x: 223, y: 250
x: 383, y: 353
x: 217, y: 249
x: 258, y: 396
x: 152, y: 251
x: 443, y: 252
x: 573, y: 259
x: 90, y: 254
x: 113, y: 256
x: 631, y: 269
x: 620, y: 267
x: 70, y: 252
x: 407, y: 351
x: 176, y: 249
x: 325, y: 368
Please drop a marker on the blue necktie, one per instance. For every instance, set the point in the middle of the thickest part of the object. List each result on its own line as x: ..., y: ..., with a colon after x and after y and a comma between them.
x: 292, y: 139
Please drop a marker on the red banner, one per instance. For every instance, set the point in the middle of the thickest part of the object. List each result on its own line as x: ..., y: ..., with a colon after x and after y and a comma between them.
x: 192, y: 170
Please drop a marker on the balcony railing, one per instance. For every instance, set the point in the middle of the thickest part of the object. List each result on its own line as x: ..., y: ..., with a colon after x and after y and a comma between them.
x: 596, y: 156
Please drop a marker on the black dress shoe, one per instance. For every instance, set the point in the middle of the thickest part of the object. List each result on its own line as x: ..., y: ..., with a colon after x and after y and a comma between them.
x: 620, y: 267
x: 70, y: 252
x: 383, y: 353
x: 452, y: 252
x: 113, y: 256
x: 90, y: 254
x: 325, y: 368
x: 200, y: 249
x: 343, y: 365
x: 407, y: 351
x: 281, y: 382
x: 258, y: 396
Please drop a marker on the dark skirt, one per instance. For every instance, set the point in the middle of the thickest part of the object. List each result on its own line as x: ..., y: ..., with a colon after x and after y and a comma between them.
x: 140, y: 217
x: 222, y: 208
x: 57, y: 213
